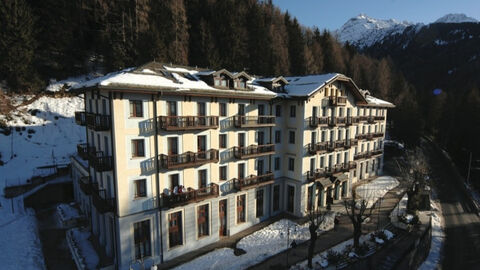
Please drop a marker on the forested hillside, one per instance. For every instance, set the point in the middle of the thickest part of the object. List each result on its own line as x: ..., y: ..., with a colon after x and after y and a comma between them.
x: 47, y: 39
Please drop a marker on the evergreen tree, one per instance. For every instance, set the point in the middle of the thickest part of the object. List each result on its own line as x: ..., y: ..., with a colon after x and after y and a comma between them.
x: 296, y: 46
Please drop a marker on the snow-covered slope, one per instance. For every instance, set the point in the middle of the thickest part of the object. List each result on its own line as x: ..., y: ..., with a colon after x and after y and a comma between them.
x: 363, y: 31
x: 456, y: 18
x: 44, y: 132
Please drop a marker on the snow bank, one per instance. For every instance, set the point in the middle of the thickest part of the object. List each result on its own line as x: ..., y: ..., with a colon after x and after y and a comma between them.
x: 67, y: 214
x: 376, y: 189
x: 438, y: 238
x: 400, y: 209
x: 47, y: 134
x: 82, y: 248
x: 259, y: 246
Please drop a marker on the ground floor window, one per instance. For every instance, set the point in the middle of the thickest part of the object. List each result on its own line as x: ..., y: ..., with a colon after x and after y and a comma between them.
x: 141, y: 236
x: 276, y: 198
x: 241, y: 208
x: 202, y: 220
x: 259, y: 203
x: 309, y: 198
x: 175, y: 229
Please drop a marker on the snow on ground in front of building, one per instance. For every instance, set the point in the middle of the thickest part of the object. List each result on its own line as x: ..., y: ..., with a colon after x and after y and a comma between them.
x: 438, y: 237
x: 56, y: 86
x: 259, y: 246
x: 376, y: 189
x: 53, y: 135
x: 86, y: 250
x: 67, y: 212
x: 400, y: 209
x: 20, y: 246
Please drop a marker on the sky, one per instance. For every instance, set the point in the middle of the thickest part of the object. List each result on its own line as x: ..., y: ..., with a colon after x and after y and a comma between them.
x: 332, y: 14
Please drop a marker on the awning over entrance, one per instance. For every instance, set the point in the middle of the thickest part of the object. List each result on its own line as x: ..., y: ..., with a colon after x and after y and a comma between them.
x: 325, y: 182
x: 339, y: 178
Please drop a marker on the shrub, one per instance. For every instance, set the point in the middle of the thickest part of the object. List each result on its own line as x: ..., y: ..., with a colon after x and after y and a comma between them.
x: 334, y: 257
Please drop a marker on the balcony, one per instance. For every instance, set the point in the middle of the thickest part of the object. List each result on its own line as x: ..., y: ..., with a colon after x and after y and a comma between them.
x: 317, y: 121
x: 338, y: 101
x: 339, y: 144
x: 188, y: 159
x: 190, y: 196
x: 80, y: 118
x: 341, y: 120
x: 365, y: 136
x: 316, y: 175
x: 242, y: 121
x: 377, y: 152
x: 362, y: 155
x: 100, y: 200
x: 347, y: 166
x: 379, y: 118
x: 98, y: 122
x: 332, y: 121
x: 351, y: 120
x: 350, y: 142
x: 362, y: 118
x: 334, y: 170
x: 85, y: 185
x: 377, y: 134
x: 170, y: 123
x: 317, y: 148
x: 330, y: 146
x: 370, y: 119
x: 100, y: 162
x: 83, y: 150
x: 242, y: 152
x: 253, y: 181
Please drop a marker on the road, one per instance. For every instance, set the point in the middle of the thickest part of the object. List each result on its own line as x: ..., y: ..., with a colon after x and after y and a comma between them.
x: 462, y: 224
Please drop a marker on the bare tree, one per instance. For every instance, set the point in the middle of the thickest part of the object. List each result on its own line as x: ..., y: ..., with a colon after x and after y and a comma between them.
x: 315, y: 219
x: 358, y: 212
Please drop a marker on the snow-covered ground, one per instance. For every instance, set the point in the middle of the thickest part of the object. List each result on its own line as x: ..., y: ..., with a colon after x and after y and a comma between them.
x: 56, y: 86
x: 86, y: 255
x: 20, y: 246
x: 376, y: 189
x: 438, y: 238
x: 400, y: 209
x: 47, y: 134
x: 259, y: 246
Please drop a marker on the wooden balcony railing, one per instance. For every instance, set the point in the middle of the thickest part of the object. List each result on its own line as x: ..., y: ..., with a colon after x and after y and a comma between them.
x: 83, y: 150
x: 242, y: 121
x: 316, y: 174
x: 85, y: 184
x: 100, y: 200
x: 100, y: 162
x: 98, y: 122
x: 338, y: 101
x: 80, y: 118
x: 244, y: 152
x: 351, y: 120
x: 187, y: 122
x: 190, y: 196
x: 350, y: 142
x: 317, y: 148
x: 253, y: 181
x: 188, y: 159
x: 317, y: 121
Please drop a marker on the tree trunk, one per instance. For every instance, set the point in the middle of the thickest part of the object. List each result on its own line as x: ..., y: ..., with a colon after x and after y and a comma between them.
x: 357, y: 232
x: 311, y: 247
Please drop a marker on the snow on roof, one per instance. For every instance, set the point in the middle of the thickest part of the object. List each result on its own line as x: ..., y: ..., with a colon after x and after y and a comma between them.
x: 147, y: 78
x: 306, y: 85
x: 378, y: 102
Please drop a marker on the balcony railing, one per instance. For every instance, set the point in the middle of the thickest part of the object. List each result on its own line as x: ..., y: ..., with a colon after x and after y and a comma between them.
x: 377, y: 152
x: 317, y: 148
x: 362, y: 155
x: 377, y: 134
x: 83, y: 150
x: 253, y: 181
x: 98, y: 122
x: 85, y: 185
x: 347, y: 166
x: 379, y: 118
x: 338, y: 101
x: 370, y: 119
x: 316, y: 174
x: 244, y: 152
x: 365, y: 136
x: 350, y: 142
x: 242, y: 121
x: 334, y: 169
x: 317, y: 121
x: 187, y: 122
x: 341, y: 120
x: 188, y: 159
x: 80, y: 118
x: 190, y: 196
x: 352, y: 120
x: 100, y: 200
x: 331, y: 146
x: 100, y: 162
x: 332, y: 121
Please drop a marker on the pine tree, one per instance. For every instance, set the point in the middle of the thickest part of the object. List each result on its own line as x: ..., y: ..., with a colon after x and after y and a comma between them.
x: 296, y: 46
x: 17, y: 45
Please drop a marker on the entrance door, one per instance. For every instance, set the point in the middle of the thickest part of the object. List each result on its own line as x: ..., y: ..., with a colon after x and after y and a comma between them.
x: 172, y: 111
x: 241, y: 171
x: 201, y: 111
x: 261, y: 109
x: 260, y: 167
x: 314, y: 112
x: 241, y: 139
x: 175, y: 229
x: 290, y: 199
x: 202, y: 178
x: 261, y: 138
x: 173, y: 146
x: 222, y: 215
x: 312, y: 165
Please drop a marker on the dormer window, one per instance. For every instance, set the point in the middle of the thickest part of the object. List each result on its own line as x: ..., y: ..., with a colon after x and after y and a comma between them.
x: 221, y: 82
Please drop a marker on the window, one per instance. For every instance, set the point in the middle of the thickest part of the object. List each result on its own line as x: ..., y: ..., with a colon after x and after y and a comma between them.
x: 276, y: 198
x: 291, y: 164
x: 259, y: 206
x: 202, y: 220
x: 241, y: 109
x: 223, y: 172
x: 277, y: 163
x: 291, y: 137
x: 278, y: 136
x: 278, y: 110
x: 322, y: 162
x: 241, y: 208
x: 138, y: 148
x: 175, y: 230
x: 140, y: 188
x: 141, y: 238
x: 223, y: 140
x: 174, y: 181
x: 293, y: 111
x: 202, y: 178
x: 223, y: 109
x: 136, y: 109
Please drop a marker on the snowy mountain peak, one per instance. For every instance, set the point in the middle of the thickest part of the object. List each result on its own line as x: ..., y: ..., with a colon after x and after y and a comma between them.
x: 364, y: 31
x: 456, y: 18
